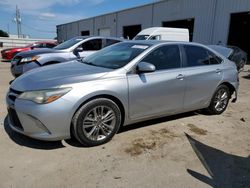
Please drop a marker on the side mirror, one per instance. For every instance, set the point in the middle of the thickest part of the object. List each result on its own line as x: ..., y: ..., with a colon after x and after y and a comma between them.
x: 78, y: 49
x: 143, y: 67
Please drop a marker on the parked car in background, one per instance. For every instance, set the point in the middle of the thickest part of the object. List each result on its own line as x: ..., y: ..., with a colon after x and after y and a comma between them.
x: 163, y: 33
x: 8, y: 54
x: 233, y: 53
x: 119, y: 85
x: 75, y: 48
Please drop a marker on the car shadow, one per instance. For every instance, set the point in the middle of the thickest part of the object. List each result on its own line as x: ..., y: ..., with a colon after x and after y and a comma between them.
x: 247, y: 76
x: 29, y: 142
x: 156, y: 121
x: 73, y: 142
x: 5, y: 61
x: 224, y: 169
x: 23, y: 140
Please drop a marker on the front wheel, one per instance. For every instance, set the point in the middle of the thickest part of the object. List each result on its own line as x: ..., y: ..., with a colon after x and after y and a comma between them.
x: 219, y: 101
x: 96, y: 122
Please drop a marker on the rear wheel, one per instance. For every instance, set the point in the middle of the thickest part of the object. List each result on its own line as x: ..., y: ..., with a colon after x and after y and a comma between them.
x: 219, y: 101
x: 96, y: 122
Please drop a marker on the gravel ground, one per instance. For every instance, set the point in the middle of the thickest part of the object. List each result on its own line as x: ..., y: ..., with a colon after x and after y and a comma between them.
x: 187, y: 150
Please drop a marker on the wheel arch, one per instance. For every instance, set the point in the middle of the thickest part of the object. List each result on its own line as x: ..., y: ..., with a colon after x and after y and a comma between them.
x: 230, y: 87
x: 106, y: 96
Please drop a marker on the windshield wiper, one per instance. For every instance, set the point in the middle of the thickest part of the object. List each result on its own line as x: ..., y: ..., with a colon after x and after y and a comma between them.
x: 89, y: 63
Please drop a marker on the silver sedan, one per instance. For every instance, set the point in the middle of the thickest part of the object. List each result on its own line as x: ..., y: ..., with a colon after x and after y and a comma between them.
x: 122, y: 84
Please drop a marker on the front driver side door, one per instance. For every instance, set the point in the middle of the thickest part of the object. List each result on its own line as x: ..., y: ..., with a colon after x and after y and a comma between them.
x: 160, y: 92
x: 91, y: 46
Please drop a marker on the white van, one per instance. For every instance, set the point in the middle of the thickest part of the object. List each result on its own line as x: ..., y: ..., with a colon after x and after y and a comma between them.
x: 163, y: 33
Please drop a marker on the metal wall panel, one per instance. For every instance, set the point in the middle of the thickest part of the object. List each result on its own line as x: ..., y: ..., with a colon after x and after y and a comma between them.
x: 106, y: 21
x: 200, y: 10
x: 86, y: 25
x: 72, y: 30
x: 62, y: 33
x: 212, y: 18
x: 136, y: 16
x: 223, y: 13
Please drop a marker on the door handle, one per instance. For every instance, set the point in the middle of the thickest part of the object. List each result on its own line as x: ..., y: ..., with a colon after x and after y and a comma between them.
x: 218, y: 70
x: 180, y: 77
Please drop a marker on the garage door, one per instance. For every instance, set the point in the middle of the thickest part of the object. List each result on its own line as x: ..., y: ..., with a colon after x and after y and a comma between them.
x: 129, y: 32
x: 104, y: 32
x: 240, y: 30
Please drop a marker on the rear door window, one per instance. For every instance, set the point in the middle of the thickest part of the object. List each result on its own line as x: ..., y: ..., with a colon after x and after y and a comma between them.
x: 199, y: 56
x: 214, y: 59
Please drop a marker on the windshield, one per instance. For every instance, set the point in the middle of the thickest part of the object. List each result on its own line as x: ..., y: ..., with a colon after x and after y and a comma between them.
x: 141, y: 37
x: 67, y: 44
x: 115, y: 56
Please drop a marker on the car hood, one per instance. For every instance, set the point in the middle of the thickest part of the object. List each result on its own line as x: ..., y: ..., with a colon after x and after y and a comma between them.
x: 14, y: 49
x: 57, y: 75
x: 7, y: 49
x: 39, y: 51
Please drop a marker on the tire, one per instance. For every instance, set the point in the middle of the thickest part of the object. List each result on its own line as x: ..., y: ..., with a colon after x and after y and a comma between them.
x: 96, y: 122
x: 219, y: 103
x: 241, y: 64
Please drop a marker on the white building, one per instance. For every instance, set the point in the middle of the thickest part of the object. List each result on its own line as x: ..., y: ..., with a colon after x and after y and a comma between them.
x: 209, y: 21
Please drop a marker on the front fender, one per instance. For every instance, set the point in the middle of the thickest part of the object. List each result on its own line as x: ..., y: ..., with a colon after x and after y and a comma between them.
x: 83, y: 92
x: 43, y: 59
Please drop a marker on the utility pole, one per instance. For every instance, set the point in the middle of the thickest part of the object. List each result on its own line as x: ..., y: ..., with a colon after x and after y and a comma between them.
x: 18, y: 22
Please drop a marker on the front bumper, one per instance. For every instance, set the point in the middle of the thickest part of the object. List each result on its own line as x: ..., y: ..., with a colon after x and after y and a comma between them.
x: 6, y: 56
x: 48, y: 122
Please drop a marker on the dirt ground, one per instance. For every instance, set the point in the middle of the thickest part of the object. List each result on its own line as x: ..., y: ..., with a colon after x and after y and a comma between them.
x: 188, y: 150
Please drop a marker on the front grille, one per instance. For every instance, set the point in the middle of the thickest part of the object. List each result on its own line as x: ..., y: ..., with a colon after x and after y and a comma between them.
x: 15, y: 91
x: 13, y: 94
x: 4, y: 55
x: 14, y: 120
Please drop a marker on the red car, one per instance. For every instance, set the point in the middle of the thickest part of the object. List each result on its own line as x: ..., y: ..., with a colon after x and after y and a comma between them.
x: 9, y: 53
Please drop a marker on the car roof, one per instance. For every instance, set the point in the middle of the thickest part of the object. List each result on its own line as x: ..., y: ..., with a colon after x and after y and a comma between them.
x: 39, y: 42
x: 157, y: 42
x: 98, y: 37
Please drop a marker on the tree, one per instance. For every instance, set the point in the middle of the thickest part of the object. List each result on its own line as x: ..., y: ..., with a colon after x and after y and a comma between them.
x: 3, y: 33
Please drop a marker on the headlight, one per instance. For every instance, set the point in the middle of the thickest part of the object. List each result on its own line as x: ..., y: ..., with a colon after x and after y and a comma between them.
x: 28, y: 59
x: 44, y: 96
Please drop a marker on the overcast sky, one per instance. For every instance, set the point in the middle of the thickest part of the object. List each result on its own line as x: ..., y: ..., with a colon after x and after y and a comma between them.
x: 40, y: 17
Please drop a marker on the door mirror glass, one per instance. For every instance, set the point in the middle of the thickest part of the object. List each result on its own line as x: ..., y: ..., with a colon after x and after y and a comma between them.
x: 143, y: 67
x: 79, y: 49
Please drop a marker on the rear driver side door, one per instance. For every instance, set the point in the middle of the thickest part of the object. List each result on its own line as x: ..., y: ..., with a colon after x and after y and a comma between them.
x: 160, y: 92
x: 203, y: 72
